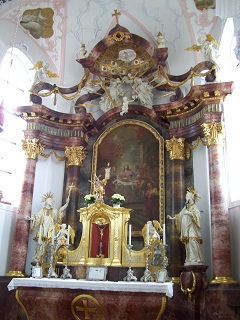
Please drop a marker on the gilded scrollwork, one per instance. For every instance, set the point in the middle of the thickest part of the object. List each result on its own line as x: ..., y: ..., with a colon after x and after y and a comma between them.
x: 176, y: 148
x: 32, y: 148
x: 75, y: 155
x: 189, y: 291
x: 214, y: 133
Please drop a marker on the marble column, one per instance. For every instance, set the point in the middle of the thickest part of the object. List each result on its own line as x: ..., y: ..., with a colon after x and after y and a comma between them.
x: 177, y: 199
x: 215, y: 134
x: 32, y: 148
x: 74, y: 159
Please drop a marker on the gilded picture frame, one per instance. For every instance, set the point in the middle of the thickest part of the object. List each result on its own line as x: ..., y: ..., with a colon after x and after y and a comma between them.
x: 134, y: 151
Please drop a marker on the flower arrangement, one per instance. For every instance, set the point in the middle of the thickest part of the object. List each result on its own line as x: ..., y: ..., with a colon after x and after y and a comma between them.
x: 117, y: 199
x: 89, y: 199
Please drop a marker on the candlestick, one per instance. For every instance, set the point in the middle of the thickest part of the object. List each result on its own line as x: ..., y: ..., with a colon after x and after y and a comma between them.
x: 164, y: 234
x: 53, y: 235
x: 147, y: 234
x: 130, y: 235
x: 68, y: 234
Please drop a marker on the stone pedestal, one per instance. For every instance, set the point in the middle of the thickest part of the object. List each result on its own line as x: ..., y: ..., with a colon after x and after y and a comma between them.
x: 193, y: 280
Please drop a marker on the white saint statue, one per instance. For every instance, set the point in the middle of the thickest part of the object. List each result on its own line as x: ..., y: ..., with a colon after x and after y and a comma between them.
x: 44, y: 222
x: 188, y: 226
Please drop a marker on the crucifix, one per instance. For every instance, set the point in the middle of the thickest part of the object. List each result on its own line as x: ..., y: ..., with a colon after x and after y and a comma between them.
x: 116, y: 14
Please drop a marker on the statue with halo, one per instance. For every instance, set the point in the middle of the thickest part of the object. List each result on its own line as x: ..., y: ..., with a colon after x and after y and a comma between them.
x: 44, y: 222
x: 188, y: 226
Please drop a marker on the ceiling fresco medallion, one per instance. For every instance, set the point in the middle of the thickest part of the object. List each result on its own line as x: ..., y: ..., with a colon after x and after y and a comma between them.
x: 38, y: 22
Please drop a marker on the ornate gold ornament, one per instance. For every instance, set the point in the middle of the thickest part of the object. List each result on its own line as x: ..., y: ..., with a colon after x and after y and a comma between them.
x: 119, y: 36
x: 163, y: 307
x: 85, y: 298
x: 189, y: 291
x: 47, y: 155
x: 176, y: 148
x: 32, y: 148
x: 214, y: 133
x: 21, y: 304
x: 117, y: 219
x: 223, y: 280
x: 75, y: 155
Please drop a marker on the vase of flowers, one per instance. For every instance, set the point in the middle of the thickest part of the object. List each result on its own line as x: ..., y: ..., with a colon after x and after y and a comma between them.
x: 117, y: 200
x: 89, y: 199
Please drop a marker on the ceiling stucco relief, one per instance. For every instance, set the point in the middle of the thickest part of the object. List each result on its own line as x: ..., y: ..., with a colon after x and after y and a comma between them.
x: 39, y: 22
x: 52, y: 46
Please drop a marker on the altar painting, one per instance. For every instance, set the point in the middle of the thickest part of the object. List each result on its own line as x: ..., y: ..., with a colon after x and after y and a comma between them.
x: 134, y: 151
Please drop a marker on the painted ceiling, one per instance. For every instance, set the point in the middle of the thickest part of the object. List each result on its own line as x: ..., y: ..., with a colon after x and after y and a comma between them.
x: 54, y: 31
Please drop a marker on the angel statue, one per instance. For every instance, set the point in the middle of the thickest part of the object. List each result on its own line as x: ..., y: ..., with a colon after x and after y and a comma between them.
x: 143, y: 91
x: 154, y: 231
x: 42, y: 73
x: 206, y: 46
x: 64, y: 235
x: 99, y: 188
x: 111, y: 98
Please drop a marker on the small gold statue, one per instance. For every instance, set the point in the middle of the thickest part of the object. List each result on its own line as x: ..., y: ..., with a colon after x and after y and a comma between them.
x: 99, y: 188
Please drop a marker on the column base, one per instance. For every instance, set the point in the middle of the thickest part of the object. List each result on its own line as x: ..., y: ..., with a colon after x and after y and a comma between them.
x: 15, y: 274
x: 223, y: 280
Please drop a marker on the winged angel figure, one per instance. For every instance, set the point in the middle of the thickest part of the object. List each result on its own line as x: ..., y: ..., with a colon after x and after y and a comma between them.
x: 206, y: 46
x: 42, y: 73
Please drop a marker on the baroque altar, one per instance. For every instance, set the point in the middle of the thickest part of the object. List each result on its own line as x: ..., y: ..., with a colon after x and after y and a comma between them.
x: 125, y: 75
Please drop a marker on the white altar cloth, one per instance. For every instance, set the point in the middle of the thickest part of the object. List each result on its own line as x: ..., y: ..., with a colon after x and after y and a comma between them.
x: 166, y: 288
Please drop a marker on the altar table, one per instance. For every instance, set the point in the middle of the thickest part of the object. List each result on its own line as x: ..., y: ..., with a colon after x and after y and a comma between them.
x: 94, y: 300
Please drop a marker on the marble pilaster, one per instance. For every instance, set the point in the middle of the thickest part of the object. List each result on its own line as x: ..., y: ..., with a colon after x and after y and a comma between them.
x: 177, y: 196
x: 214, y: 133
x: 74, y: 158
x: 32, y: 148
x: 219, y: 214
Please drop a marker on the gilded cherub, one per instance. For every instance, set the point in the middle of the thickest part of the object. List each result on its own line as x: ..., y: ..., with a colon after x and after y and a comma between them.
x: 206, y: 46
x: 42, y: 73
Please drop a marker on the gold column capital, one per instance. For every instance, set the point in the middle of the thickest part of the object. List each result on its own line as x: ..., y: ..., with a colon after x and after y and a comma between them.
x: 32, y: 148
x: 176, y: 147
x: 75, y: 155
x: 214, y: 133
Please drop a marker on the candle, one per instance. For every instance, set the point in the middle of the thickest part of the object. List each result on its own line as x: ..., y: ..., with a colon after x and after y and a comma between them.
x: 40, y: 234
x: 68, y: 234
x: 107, y: 172
x: 53, y: 235
x: 130, y: 235
x: 164, y: 234
x: 147, y: 234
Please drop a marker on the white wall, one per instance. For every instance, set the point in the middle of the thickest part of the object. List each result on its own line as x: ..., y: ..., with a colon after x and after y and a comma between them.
x: 49, y: 177
x: 201, y: 183
x: 7, y: 225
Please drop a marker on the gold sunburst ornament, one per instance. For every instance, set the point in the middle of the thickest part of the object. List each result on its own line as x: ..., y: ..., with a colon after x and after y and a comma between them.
x: 48, y: 195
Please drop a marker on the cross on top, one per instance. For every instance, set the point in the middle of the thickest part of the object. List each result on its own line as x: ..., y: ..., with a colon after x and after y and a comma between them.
x: 116, y: 14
